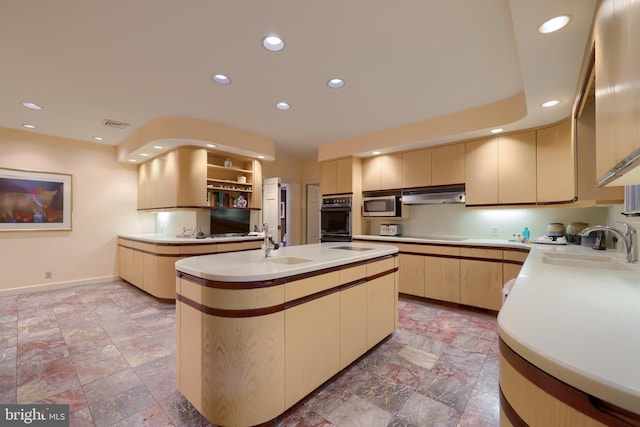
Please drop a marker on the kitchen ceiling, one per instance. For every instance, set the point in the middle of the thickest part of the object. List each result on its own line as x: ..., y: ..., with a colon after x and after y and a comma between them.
x: 402, y: 62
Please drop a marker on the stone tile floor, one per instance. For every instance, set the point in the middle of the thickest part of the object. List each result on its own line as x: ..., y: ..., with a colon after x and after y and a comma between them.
x: 108, y: 350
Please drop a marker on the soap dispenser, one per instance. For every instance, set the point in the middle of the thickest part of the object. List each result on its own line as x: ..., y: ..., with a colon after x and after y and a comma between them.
x: 526, y: 234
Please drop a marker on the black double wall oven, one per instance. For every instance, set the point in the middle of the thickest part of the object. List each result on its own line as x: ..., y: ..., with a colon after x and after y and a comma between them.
x: 335, y: 219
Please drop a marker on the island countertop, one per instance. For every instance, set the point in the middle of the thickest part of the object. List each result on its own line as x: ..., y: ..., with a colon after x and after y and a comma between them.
x: 158, y: 238
x: 286, y: 261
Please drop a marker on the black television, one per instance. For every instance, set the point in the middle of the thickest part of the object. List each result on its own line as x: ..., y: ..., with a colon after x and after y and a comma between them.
x: 230, y: 221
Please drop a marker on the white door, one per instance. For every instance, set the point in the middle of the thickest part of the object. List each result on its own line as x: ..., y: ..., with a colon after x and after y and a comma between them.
x: 271, y: 206
x: 313, y: 213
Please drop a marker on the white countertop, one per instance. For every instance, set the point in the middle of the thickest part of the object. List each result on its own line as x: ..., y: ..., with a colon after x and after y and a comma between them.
x: 443, y: 240
x: 254, y: 266
x: 579, y: 324
x: 163, y: 238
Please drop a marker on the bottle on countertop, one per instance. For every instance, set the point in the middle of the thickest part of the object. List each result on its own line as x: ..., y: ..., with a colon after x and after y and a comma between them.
x: 526, y: 234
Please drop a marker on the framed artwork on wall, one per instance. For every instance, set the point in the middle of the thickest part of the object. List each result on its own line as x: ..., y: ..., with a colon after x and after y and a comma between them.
x: 32, y: 201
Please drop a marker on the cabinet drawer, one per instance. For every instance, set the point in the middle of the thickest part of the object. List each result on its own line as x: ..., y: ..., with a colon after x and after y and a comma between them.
x: 514, y: 256
x: 493, y: 254
x: 380, y: 266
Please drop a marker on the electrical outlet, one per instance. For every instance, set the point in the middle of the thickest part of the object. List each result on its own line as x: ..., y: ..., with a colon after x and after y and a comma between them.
x: 47, y: 275
x: 494, y: 230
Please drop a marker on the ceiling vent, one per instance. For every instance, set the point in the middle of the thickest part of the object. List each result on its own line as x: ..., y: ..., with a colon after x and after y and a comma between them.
x: 115, y: 124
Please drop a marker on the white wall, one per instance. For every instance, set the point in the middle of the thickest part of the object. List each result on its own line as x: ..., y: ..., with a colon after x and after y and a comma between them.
x: 104, y: 204
x: 458, y: 220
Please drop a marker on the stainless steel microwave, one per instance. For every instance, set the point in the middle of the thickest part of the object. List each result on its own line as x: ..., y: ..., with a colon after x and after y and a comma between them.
x: 382, y: 206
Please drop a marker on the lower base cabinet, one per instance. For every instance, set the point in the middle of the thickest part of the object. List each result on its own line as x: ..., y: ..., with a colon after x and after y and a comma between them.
x: 243, y: 367
x: 481, y: 284
x: 442, y: 279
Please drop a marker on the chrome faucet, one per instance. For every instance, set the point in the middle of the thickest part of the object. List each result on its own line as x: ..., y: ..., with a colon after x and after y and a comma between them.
x: 629, y: 236
x: 268, y: 245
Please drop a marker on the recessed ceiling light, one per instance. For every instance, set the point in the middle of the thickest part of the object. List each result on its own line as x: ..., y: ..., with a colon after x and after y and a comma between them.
x: 133, y: 160
x: 273, y: 43
x: 376, y: 153
x: 31, y: 105
x: 262, y: 157
x: 158, y: 147
x: 221, y: 79
x: 144, y: 155
x: 211, y: 145
x: 554, y: 24
x: 497, y: 130
x: 550, y: 103
x: 335, y: 83
x: 29, y: 126
x: 98, y: 138
x: 282, y: 105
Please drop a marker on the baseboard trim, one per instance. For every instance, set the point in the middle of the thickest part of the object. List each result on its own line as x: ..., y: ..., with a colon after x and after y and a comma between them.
x: 58, y: 285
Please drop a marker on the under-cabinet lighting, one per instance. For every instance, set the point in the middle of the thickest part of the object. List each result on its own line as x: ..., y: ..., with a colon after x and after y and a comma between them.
x: 375, y: 153
x: 98, y: 138
x: 211, y: 145
x: 29, y: 126
x: 144, y: 155
x: 497, y: 130
x: 262, y: 157
x: 158, y: 147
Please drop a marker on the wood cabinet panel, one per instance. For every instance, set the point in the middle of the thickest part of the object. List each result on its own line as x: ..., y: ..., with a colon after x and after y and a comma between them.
x: 381, y: 314
x: 416, y: 168
x: 344, y: 175
x: 555, y: 164
x: 481, y: 283
x: 353, y: 324
x: 517, y: 168
x: 442, y: 279
x: 482, y: 172
x: 448, y: 164
x: 510, y: 271
x: 148, y: 273
x: 371, y: 174
x: 328, y: 177
x: 312, y: 339
x: 391, y: 171
x: 412, y: 274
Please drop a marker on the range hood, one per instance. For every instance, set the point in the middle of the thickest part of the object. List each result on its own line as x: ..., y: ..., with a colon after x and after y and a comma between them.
x: 434, y: 195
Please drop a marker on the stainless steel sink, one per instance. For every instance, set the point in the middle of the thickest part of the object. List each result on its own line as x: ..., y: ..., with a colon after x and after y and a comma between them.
x: 288, y: 260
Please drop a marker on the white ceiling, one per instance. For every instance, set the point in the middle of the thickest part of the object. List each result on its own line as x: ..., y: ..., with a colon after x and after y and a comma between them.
x: 403, y: 62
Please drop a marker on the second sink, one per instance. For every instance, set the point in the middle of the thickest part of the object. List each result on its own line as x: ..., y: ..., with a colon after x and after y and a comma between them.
x: 597, y: 261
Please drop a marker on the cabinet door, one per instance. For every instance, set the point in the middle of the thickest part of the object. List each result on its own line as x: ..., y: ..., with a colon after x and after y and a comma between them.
x: 129, y: 266
x: 442, y: 279
x: 148, y: 273
x: 312, y: 346
x: 371, y: 174
x: 448, y: 165
x: 481, y: 283
x: 328, y: 176
x: 517, y: 168
x: 510, y: 271
x: 122, y: 261
x: 416, y: 168
x: 482, y: 172
x: 353, y: 324
x: 555, y: 164
x: 191, y: 177
x: 344, y: 175
x: 390, y: 171
x: 411, y: 274
x: 381, y: 308
x: 165, y: 276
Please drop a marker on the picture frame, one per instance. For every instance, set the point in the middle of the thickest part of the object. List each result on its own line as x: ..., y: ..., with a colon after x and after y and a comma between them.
x: 35, y: 201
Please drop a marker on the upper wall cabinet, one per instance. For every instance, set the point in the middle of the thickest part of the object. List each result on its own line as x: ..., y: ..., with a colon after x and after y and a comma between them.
x: 194, y: 178
x: 617, y: 66
x: 337, y: 175
x: 556, y: 164
x: 501, y: 170
x: 382, y: 172
x: 416, y: 168
x: 448, y: 164
x: 175, y: 180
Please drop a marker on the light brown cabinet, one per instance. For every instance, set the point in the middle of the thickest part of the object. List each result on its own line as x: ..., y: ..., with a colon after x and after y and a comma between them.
x: 442, y: 278
x: 382, y: 172
x: 412, y: 274
x: 336, y: 176
x: 481, y: 278
x: 448, y: 164
x: 195, y: 178
x: 381, y: 308
x: 555, y: 163
x: 416, y: 168
x: 617, y: 68
x: 501, y: 170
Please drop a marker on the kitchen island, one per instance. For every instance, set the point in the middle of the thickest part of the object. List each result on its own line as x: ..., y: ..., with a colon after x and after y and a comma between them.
x: 147, y: 260
x: 255, y: 335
